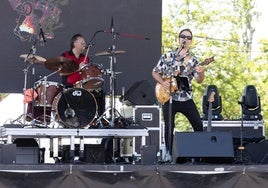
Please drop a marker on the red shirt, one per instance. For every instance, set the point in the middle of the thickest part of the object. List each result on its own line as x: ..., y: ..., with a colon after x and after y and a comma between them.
x: 73, y: 78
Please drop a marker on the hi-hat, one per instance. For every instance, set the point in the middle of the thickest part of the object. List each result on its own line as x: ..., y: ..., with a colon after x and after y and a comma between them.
x: 33, y: 58
x: 63, y: 65
x: 110, y: 53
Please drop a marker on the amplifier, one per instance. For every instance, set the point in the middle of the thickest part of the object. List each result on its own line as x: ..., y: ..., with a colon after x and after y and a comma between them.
x: 148, y: 116
x: 8, y: 153
x: 251, y: 129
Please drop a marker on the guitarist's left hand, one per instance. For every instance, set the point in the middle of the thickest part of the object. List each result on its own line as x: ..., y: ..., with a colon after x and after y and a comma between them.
x: 201, y: 73
x: 199, y: 69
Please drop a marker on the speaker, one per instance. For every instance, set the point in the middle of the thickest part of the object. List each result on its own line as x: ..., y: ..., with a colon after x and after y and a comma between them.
x: 7, y: 153
x: 140, y: 93
x: 258, y: 152
x: 148, y: 154
x: 205, y: 146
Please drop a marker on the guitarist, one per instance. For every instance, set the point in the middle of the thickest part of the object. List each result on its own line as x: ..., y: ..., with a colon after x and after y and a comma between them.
x: 179, y: 63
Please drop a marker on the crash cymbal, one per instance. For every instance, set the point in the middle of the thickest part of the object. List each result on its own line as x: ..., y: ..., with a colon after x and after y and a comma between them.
x: 110, y: 53
x: 66, y: 66
x: 33, y: 58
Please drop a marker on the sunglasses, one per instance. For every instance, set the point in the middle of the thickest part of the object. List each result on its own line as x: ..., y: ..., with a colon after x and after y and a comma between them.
x: 186, y: 37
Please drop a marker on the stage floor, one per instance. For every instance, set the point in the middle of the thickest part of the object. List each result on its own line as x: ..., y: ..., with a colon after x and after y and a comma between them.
x: 129, y: 175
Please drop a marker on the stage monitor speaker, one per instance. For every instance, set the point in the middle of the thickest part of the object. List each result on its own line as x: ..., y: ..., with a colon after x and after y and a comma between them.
x: 7, y: 153
x: 258, y: 152
x: 141, y: 93
x: 148, y: 155
x: 216, y: 147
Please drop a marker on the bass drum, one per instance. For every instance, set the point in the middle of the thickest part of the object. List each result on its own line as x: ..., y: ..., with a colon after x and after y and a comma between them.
x: 74, y: 108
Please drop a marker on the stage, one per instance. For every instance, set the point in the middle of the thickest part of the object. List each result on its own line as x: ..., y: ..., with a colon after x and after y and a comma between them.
x: 247, y: 169
x: 129, y: 175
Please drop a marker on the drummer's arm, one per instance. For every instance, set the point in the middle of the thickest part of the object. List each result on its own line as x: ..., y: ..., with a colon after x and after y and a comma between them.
x: 83, y: 63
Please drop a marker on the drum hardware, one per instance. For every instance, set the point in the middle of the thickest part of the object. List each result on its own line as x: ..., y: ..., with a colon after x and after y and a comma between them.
x: 33, y: 59
x: 45, y: 94
x: 61, y: 65
x: 108, y: 72
x: 69, y: 112
x: 111, y: 53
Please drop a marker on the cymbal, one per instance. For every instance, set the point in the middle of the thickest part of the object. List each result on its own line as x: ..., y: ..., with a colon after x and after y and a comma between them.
x: 110, y: 53
x: 66, y: 66
x: 33, y: 58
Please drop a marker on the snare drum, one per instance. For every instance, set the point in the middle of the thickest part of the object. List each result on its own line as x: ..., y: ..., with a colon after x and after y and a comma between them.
x: 74, y: 108
x: 91, y: 77
x: 46, y: 92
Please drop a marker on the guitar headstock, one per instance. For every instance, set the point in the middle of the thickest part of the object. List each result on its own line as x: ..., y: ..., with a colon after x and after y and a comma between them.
x: 211, y: 97
x: 208, y: 61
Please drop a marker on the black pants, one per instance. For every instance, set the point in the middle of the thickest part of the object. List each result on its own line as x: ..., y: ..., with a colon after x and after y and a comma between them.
x: 187, y: 108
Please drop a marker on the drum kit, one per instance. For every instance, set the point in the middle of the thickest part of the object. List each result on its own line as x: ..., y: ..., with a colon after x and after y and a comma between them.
x: 49, y: 104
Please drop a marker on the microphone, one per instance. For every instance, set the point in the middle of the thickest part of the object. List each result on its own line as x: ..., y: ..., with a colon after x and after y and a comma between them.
x: 88, y: 46
x: 183, y: 44
x: 69, y: 113
x: 42, y: 33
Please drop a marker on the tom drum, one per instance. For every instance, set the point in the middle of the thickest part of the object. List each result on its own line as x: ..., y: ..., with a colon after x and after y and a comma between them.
x: 46, y: 92
x: 91, y: 77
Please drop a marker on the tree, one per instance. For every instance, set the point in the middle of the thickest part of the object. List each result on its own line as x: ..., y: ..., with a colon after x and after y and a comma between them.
x: 226, y: 32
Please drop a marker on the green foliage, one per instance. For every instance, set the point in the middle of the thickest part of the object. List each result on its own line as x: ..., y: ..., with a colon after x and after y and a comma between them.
x: 2, y: 96
x: 225, y: 32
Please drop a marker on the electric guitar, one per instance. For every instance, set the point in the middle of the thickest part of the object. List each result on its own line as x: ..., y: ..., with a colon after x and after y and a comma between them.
x: 162, y: 95
x: 210, y: 101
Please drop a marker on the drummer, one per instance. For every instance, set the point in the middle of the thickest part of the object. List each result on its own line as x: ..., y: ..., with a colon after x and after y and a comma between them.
x: 76, y: 54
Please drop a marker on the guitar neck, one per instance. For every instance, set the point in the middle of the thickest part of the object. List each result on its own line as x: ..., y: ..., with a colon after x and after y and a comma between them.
x: 207, y: 61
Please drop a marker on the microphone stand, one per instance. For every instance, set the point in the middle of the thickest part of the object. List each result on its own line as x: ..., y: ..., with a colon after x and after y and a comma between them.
x: 112, y: 78
x: 112, y: 74
x: 112, y: 57
x: 25, y: 71
x: 32, y: 52
x: 241, y: 148
x: 171, y: 75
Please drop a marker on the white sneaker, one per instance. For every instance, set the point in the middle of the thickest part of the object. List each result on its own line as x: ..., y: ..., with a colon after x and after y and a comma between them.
x: 167, y: 157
